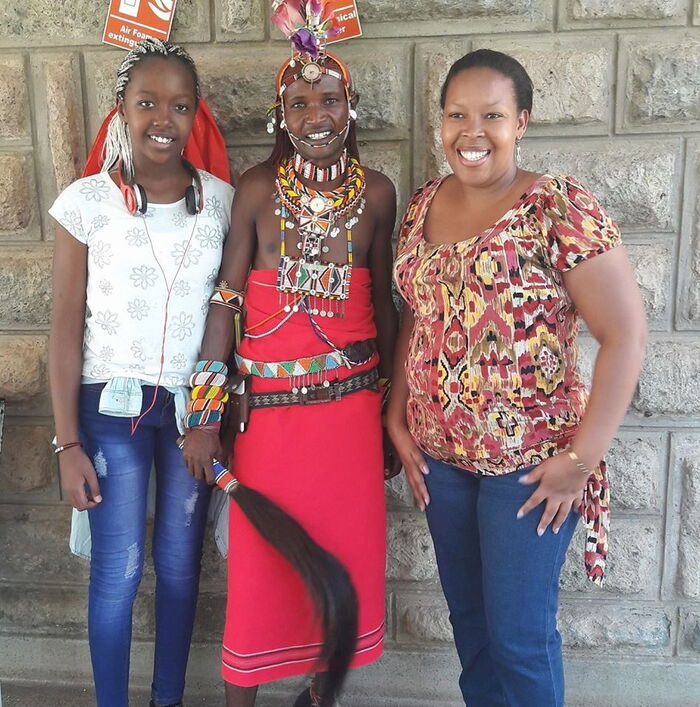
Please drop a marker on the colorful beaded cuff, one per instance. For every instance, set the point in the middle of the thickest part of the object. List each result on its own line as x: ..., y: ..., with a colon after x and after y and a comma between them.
x: 227, y: 297
x: 208, y: 394
x: 207, y: 378
x: 213, y: 366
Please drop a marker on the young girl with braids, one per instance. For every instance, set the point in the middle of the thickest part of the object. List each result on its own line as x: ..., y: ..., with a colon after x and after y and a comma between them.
x: 137, y: 250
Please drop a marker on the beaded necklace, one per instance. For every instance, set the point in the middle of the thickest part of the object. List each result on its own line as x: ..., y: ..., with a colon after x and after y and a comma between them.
x: 315, y: 213
x: 309, y: 170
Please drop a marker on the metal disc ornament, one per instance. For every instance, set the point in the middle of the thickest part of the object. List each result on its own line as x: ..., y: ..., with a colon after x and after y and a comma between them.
x: 311, y: 72
x: 317, y: 204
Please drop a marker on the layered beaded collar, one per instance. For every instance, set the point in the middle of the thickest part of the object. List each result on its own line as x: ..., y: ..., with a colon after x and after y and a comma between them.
x: 309, y: 170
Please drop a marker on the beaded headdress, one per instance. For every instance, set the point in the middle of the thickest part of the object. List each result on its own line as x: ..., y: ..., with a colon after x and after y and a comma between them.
x: 308, y: 24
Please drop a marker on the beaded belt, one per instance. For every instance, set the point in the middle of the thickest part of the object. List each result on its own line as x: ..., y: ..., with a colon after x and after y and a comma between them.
x: 367, y: 380
x: 354, y: 354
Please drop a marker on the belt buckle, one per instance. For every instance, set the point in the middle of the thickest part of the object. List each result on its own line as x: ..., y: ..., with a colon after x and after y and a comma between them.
x: 315, y: 395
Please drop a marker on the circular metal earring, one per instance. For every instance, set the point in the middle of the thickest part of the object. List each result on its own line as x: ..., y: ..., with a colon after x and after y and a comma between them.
x: 353, y: 114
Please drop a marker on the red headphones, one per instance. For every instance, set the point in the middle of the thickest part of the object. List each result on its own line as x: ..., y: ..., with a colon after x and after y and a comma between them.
x: 135, y: 195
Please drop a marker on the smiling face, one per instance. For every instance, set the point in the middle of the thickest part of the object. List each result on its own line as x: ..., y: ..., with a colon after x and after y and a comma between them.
x: 159, y: 107
x: 480, y: 123
x: 317, y: 114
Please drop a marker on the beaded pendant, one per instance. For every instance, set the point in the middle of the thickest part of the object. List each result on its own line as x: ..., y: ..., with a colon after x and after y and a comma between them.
x: 315, y: 214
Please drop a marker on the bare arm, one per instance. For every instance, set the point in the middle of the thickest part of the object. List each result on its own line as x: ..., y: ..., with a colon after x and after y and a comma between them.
x: 413, y: 462
x: 607, y: 297
x: 65, y: 365
x: 201, y: 444
x: 380, y: 262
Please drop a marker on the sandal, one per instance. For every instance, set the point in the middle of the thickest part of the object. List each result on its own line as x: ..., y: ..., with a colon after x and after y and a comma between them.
x: 310, y: 698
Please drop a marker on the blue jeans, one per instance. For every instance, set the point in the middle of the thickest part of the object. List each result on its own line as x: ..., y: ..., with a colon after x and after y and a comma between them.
x: 501, y: 582
x: 118, y: 527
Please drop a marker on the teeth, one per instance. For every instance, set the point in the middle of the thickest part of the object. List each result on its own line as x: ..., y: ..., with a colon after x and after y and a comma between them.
x: 318, y: 136
x: 161, y: 140
x: 473, y: 156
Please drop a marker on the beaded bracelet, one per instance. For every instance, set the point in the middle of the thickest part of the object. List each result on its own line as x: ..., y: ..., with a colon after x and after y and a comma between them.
x: 227, y: 297
x: 209, y: 392
x: 213, y: 366
x: 207, y: 378
x: 202, y: 418
x: 206, y: 406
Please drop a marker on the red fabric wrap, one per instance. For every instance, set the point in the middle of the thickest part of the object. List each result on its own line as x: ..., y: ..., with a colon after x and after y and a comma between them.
x: 205, y: 148
x: 322, y: 464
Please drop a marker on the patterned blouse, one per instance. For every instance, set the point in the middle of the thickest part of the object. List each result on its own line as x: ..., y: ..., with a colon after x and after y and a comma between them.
x: 492, y: 363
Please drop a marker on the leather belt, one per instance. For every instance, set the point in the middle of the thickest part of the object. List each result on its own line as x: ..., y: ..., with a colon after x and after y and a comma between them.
x: 312, y: 395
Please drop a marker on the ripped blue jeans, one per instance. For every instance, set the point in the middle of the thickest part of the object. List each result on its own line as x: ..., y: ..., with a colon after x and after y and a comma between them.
x: 123, y: 464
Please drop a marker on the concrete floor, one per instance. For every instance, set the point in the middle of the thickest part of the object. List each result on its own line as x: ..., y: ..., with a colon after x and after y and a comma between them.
x: 21, y: 694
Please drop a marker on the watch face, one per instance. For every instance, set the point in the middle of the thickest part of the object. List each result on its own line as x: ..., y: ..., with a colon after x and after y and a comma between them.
x: 311, y: 72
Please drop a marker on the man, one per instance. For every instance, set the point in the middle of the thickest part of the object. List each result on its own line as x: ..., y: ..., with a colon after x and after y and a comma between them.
x: 310, y: 245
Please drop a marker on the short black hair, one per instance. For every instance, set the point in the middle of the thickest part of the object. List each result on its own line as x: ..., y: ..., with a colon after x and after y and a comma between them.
x: 498, y: 61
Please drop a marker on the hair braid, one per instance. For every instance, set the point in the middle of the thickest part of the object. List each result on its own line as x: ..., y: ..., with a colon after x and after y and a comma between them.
x: 117, y: 141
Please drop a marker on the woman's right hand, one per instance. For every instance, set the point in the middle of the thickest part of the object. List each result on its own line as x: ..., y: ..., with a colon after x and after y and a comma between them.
x: 413, y: 462
x: 77, y: 471
x: 200, y: 448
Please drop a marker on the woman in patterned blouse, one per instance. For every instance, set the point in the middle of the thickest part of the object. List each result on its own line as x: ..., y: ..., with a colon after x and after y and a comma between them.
x: 501, y: 442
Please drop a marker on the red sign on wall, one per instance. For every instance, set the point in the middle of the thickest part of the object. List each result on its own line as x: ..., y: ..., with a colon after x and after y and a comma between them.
x: 130, y: 21
x: 347, y: 17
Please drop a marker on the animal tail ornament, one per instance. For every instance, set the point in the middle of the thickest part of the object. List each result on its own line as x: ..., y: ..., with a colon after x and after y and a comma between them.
x: 325, y: 577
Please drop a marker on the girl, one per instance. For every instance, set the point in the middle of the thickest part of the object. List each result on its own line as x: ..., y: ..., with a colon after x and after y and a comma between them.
x: 137, y: 250
x: 495, y: 263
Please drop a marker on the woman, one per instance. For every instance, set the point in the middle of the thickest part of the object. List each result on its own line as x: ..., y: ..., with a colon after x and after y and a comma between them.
x: 135, y: 249
x: 499, y: 439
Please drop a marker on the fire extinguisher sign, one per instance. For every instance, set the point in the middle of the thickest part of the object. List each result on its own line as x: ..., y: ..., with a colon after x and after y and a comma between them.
x: 130, y: 21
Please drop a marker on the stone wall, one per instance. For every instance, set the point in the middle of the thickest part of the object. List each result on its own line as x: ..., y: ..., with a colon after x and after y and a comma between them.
x: 617, y: 103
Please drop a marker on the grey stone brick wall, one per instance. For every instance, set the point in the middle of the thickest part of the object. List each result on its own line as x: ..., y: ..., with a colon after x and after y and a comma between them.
x: 617, y: 104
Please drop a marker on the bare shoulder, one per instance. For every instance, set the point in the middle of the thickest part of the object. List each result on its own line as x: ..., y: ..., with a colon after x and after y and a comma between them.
x: 256, y: 184
x: 380, y: 191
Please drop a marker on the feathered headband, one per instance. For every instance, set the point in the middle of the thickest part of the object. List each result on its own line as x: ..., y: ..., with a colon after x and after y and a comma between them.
x: 308, y: 25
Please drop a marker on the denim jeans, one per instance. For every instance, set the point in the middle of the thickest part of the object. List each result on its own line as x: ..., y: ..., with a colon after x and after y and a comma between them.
x: 123, y: 464
x: 501, y: 582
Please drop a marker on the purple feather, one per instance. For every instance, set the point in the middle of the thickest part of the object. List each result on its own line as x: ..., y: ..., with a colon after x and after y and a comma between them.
x: 305, y: 41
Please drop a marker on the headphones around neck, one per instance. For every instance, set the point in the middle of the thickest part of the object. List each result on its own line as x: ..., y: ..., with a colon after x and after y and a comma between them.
x: 135, y: 195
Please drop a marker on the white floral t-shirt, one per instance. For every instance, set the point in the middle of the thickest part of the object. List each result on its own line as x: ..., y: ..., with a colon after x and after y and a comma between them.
x: 149, y: 277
